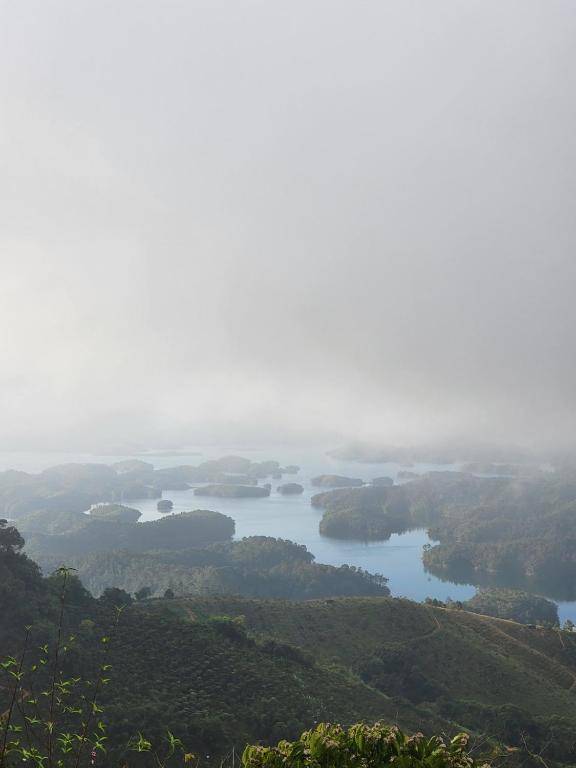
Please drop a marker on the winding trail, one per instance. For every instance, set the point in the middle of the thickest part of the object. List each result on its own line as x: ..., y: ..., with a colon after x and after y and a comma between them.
x: 434, y: 631
x: 493, y: 624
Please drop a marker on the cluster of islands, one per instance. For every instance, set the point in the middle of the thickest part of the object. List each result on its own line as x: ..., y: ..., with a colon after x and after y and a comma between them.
x: 495, y: 525
x: 220, y: 625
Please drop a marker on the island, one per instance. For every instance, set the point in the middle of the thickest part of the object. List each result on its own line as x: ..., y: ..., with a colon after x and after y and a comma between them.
x: 231, y: 491
x: 116, y: 512
x: 382, y: 482
x: 336, y: 481
x: 75, y: 488
x: 165, y: 505
x: 290, y: 488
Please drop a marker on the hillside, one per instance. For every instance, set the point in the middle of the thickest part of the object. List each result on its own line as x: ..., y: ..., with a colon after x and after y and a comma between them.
x: 486, y: 674
x: 256, y: 566
x: 220, y: 672
x: 215, y: 687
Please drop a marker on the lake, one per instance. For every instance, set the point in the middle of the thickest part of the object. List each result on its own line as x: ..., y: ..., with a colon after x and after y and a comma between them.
x: 293, y: 517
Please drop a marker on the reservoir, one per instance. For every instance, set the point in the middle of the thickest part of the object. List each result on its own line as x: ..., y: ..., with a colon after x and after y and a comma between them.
x: 293, y: 517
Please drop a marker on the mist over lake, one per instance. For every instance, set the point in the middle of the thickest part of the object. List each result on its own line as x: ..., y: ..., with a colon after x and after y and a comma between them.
x: 287, y: 384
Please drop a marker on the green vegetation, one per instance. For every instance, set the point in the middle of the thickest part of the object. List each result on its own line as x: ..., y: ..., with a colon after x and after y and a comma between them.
x: 331, y: 746
x: 443, y: 666
x: 74, y: 488
x: 514, y: 605
x: 116, y: 512
x: 88, y: 533
x: 519, y: 533
x: 368, y: 513
x: 51, y: 716
x: 257, y: 566
x: 209, y: 682
x: 221, y: 672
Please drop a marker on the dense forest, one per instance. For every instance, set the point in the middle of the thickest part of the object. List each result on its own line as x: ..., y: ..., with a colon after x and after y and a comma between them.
x: 257, y: 566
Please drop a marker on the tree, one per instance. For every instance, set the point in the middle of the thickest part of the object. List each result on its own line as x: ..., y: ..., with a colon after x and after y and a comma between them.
x: 143, y: 593
x: 62, y: 727
x: 169, y: 594
x: 116, y: 597
x: 331, y: 746
x: 10, y: 538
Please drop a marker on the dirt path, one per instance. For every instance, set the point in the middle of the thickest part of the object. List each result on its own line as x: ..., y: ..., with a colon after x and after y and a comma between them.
x: 434, y: 631
x: 527, y: 648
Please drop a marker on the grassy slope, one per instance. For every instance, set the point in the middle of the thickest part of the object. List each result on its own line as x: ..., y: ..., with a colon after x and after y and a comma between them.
x: 491, y: 661
x: 215, y: 690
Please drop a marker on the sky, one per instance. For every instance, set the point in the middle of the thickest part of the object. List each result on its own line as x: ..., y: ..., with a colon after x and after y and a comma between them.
x: 252, y: 220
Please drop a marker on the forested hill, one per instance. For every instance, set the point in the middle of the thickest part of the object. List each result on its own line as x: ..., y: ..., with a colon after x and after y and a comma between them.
x: 489, y: 675
x: 221, y: 672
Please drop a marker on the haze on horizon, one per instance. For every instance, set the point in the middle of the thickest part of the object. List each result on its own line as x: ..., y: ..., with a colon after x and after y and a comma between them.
x: 247, y: 220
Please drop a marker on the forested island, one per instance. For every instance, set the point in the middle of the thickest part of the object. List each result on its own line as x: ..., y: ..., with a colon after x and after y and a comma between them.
x: 288, y: 489
x: 64, y: 535
x: 77, y: 487
x: 234, y: 491
x: 500, y: 530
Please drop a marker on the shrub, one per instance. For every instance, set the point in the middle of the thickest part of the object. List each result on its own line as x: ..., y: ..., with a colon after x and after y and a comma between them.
x: 331, y: 746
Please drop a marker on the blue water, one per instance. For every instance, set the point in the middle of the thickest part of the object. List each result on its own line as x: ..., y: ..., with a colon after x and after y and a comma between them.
x: 293, y: 517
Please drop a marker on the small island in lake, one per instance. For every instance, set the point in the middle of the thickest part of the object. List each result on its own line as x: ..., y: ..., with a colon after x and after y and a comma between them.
x: 165, y: 505
x: 382, y: 482
x: 229, y: 491
x: 290, y: 488
x: 117, y: 512
x: 336, y: 481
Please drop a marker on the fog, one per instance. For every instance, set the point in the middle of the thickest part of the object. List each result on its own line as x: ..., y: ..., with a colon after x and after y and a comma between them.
x: 252, y: 221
